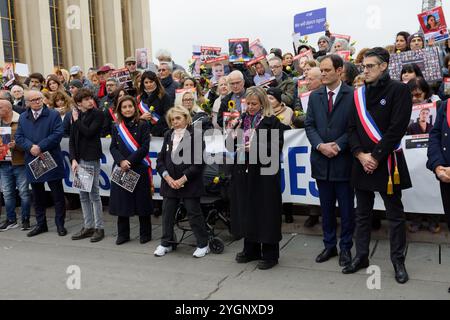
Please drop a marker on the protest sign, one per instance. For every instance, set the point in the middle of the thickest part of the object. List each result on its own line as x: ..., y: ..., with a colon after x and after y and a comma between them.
x: 5, y: 139
x: 345, y: 55
x: 8, y: 75
x: 239, y: 50
x: 123, y: 77
x: 302, y: 87
x: 303, y: 57
x: 42, y: 165
x: 422, y: 121
x: 84, y: 178
x: 125, y: 179
x: 304, y: 98
x: 427, y: 60
x: 257, y: 49
x: 434, y: 25
x: 310, y: 22
x: 209, y: 53
x: 335, y: 36
x: 447, y: 86
x: 142, y: 58
x: 22, y: 70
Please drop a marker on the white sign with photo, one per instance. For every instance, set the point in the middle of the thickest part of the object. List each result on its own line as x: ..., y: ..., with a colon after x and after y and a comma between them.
x: 42, y: 165
x: 84, y: 178
x: 125, y: 179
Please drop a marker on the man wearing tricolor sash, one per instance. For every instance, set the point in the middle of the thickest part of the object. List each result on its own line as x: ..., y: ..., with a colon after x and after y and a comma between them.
x: 376, y: 128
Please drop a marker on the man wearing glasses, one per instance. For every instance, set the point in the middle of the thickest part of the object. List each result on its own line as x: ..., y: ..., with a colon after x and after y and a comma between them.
x: 40, y: 130
x: 237, y: 85
x: 376, y: 128
x: 130, y: 64
x: 285, y: 83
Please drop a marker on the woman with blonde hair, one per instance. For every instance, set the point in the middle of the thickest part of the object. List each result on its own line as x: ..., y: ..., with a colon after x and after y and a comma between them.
x: 188, y: 99
x: 256, y: 202
x: 182, y: 180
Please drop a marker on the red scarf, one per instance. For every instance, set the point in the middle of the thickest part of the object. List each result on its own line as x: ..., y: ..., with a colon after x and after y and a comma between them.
x: 102, y: 90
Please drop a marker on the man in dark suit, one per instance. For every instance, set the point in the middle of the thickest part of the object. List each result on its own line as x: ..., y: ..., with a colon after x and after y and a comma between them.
x: 326, y: 127
x: 376, y: 128
x: 40, y: 130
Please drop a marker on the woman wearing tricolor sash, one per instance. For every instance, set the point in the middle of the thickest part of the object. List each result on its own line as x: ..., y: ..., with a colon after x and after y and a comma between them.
x: 130, y: 144
x: 376, y: 128
x: 439, y: 154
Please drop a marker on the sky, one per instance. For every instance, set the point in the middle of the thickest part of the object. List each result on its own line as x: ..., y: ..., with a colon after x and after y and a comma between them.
x: 177, y: 25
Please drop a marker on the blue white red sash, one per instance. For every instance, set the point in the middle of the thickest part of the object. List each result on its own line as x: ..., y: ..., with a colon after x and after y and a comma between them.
x: 145, y: 109
x: 113, y: 116
x: 374, y: 133
x: 133, y: 146
x: 368, y: 123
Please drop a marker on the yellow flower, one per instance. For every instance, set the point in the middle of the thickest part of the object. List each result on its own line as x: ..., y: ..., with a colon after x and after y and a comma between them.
x: 231, y: 105
x: 216, y: 180
x: 306, y: 38
x: 241, y: 59
x: 399, y: 51
x: 288, y: 68
x: 206, y: 101
x: 297, y: 113
x: 152, y: 108
x: 202, y: 67
x: 280, y: 117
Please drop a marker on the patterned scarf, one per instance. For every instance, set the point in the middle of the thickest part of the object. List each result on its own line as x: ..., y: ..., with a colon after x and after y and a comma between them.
x: 251, y: 123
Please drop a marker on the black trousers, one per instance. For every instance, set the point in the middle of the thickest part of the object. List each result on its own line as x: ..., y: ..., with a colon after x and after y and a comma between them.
x: 57, y: 191
x: 195, y: 216
x: 267, y: 251
x: 445, y: 194
x: 145, y: 227
x: 397, y: 224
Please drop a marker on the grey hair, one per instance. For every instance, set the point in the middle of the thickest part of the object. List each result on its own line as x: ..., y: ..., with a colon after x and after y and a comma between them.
x: 236, y: 73
x: 169, y: 66
x: 113, y: 80
x: 163, y: 53
x: 343, y: 42
x: 17, y: 87
x: 275, y: 58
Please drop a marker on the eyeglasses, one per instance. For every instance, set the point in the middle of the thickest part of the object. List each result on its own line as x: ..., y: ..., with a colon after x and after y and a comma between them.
x: 37, y: 100
x: 188, y: 100
x: 162, y: 70
x: 275, y: 67
x: 369, y: 66
x: 131, y: 63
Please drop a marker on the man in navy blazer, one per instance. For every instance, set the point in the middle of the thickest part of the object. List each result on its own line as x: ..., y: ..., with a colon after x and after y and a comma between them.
x: 331, y: 161
x: 40, y: 130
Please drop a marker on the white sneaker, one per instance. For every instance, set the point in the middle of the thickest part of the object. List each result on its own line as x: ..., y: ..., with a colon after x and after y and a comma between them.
x: 201, y: 252
x: 161, y: 251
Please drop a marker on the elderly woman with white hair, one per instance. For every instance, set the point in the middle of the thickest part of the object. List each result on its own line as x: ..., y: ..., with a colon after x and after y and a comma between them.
x: 340, y: 45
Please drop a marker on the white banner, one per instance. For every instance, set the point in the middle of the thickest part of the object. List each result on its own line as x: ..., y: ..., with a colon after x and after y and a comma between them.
x: 297, y: 184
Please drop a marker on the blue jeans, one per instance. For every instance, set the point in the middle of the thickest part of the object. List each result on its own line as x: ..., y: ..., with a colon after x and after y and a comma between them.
x: 13, y: 177
x: 91, y: 203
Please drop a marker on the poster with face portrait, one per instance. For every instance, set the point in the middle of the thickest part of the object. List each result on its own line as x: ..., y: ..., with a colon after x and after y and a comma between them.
x: 142, y: 58
x: 195, y: 67
x: 423, y: 117
x: 209, y: 53
x: 434, y: 25
x: 345, y: 55
x: 257, y: 49
x: 335, y: 36
x: 427, y: 60
x: 5, y: 139
x: 302, y: 58
x: 239, y: 50
x: 123, y: 77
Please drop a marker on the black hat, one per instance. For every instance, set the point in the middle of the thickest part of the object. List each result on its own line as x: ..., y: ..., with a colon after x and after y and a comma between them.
x: 276, y: 93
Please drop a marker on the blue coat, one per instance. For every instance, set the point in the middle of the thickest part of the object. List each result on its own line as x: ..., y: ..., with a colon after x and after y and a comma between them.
x: 321, y: 127
x: 439, y: 145
x: 46, y: 132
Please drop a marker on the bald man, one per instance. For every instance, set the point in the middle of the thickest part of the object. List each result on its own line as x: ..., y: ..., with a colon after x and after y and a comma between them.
x: 237, y: 86
x: 314, y: 79
x: 13, y: 173
x: 40, y: 130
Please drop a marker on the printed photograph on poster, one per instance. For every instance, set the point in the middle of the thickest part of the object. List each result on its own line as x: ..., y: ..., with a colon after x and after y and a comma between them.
x: 428, y: 61
x: 125, y: 179
x: 433, y: 24
x: 268, y: 83
x: 8, y: 75
x: 42, y: 165
x: 303, y: 57
x: 345, y: 55
x: 143, y: 58
x: 257, y: 49
x: 302, y: 87
x: 447, y: 86
x: 239, y: 50
x: 209, y: 53
x: 124, y: 78
x: 223, y: 59
x: 84, y: 178
x: 195, y: 67
x: 335, y: 36
x: 304, y: 98
x: 228, y: 118
x: 5, y: 140
x: 422, y: 121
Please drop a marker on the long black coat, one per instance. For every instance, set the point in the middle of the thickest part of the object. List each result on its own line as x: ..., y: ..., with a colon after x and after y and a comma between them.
x: 124, y: 203
x: 322, y: 127
x: 390, y: 104
x: 162, y: 105
x: 193, y: 170
x: 256, y: 200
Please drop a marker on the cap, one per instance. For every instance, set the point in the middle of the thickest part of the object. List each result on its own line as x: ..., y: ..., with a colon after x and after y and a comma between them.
x: 104, y: 69
x: 75, y: 70
x: 130, y: 59
x: 76, y: 83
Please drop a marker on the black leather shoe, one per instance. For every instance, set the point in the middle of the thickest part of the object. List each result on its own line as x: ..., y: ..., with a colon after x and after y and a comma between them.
x: 83, y: 234
x: 37, y: 231
x: 241, y: 257
x: 345, y: 258
x: 98, y: 235
x: 122, y: 240
x: 62, y: 232
x: 401, y: 275
x: 356, y: 265
x: 267, y: 264
x: 144, y: 240
x: 326, y: 255
x: 311, y: 222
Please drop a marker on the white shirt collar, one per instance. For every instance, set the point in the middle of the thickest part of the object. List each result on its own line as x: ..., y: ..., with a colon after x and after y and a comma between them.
x: 335, y: 91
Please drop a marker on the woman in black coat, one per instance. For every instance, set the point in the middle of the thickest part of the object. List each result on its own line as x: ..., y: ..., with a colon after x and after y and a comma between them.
x: 154, y: 95
x: 124, y: 204
x: 182, y: 181
x: 256, y: 200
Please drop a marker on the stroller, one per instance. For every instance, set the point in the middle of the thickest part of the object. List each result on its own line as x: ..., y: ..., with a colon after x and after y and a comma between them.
x: 214, y: 206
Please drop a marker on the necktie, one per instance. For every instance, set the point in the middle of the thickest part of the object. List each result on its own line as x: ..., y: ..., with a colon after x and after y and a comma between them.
x: 330, y: 101
x: 36, y: 115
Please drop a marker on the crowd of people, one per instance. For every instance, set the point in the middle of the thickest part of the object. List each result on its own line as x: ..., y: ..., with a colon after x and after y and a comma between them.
x: 355, y: 120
